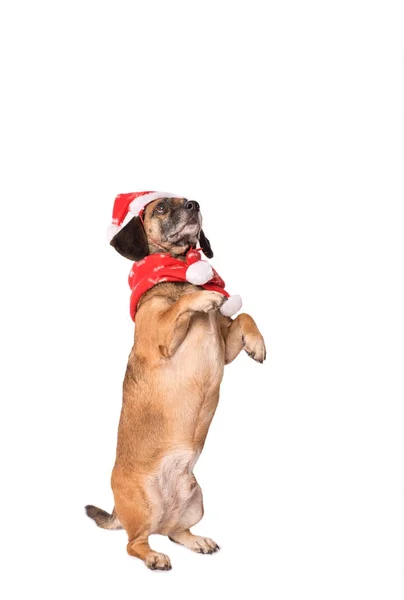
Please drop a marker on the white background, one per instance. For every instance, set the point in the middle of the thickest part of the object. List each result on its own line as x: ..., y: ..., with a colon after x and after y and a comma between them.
x: 284, y: 120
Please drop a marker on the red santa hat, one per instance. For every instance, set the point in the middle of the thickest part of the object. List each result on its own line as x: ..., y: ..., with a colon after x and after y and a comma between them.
x: 131, y: 205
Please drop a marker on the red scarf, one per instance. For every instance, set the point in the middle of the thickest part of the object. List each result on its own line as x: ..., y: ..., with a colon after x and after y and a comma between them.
x: 157, y: 268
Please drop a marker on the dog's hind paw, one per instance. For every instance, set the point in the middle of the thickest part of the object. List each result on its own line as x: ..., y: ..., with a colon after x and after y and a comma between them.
x: 196, y: 543
x: 157, y: 561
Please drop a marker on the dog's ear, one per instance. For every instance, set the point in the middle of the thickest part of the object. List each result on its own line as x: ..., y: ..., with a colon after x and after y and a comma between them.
x: 131, y: 241
x: 205, y: 245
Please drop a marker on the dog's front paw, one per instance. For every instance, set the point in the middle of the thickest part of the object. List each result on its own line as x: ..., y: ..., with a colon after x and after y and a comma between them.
x: 254, y: 345
x: 207, y: 301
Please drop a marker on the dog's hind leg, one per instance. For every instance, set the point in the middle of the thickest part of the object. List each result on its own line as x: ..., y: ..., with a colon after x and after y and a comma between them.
x: 140, y: 548
x: 196, y: 543
x: 191, y: 515
x: 134, y: 512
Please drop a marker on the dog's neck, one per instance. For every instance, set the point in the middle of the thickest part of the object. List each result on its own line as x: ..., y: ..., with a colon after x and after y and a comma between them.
x: 179, y: 252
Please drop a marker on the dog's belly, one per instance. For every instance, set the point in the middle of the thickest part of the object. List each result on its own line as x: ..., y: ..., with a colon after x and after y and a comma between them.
x: 196, y: 371
x: 175, y: 496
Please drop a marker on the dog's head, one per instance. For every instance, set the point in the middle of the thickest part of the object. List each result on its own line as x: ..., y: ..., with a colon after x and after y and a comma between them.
x: 167, y: 225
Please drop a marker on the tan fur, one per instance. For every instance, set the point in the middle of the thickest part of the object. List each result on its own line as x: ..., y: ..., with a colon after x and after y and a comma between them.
x: 170, y: 394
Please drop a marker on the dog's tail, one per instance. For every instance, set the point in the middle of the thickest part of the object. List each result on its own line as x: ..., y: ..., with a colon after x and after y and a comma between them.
x: 102, y: 518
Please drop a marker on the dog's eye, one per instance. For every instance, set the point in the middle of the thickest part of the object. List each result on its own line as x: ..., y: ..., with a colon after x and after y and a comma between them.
x: 160, y: 208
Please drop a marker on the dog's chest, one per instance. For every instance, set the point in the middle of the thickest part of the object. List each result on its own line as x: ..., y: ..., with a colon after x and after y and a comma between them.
x: 201, y: 355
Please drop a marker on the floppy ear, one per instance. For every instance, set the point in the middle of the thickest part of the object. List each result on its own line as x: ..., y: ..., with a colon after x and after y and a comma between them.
x: 131, y: 241
x: 205, y: 245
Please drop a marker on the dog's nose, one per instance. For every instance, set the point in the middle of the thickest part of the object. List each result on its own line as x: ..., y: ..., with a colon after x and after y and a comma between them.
x: 191, y: 205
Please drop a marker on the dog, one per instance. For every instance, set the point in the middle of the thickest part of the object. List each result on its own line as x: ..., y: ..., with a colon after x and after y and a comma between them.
x: 171, y: 388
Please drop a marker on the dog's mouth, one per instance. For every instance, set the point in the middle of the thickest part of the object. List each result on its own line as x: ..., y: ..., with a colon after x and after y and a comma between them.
x: 191, y: 226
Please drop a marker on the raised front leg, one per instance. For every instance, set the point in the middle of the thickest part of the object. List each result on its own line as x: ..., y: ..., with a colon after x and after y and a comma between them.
x: 243, y: 333
x: 168, y: 325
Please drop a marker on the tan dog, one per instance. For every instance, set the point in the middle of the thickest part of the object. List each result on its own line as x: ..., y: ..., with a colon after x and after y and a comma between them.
x: 171, y: 389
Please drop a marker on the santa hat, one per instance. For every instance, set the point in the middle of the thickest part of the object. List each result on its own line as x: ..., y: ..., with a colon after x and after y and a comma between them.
x: 131, y: 205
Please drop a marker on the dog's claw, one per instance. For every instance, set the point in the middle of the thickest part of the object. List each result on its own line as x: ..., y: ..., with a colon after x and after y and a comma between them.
x: 255, y: 348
